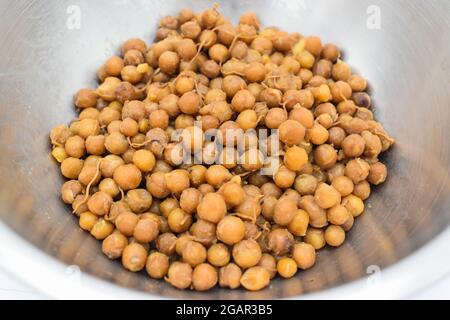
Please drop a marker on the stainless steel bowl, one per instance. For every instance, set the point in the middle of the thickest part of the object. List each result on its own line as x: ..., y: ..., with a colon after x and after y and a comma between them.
x: 45, y: 58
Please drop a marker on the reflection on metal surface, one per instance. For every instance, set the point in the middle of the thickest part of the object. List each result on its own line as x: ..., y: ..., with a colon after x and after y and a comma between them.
x: 406, y: 61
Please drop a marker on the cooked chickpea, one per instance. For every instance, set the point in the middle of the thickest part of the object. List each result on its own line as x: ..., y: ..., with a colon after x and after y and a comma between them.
x: 246, y: 253
x: 327, y: 196
x: 230, y: 230
x: 157, y: 265
x: 304, y: 254
x: 221, y: 202
x: 353, y: 204
x: 102, y: 229
x: 194, y: 253
x: 334, y: 235
x: 212, y: 207
x: 179, y: 220
x: 230, y: 276
x: 179, y: 275
x: 218, y: 255
x: 287, y: 267
x: 113, y: 245
x: 255, y: 278
x: 280, y: 241
x: 299, y: 223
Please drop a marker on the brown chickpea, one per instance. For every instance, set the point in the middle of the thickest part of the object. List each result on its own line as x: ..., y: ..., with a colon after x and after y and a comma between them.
x: 327, y: 196
x: 197, y: 175
x: 317, y: 215
x: 299, y: 223
x: 284, y: 211
x: 346, y: 107
x: 100, y: 203
x: 217, y: 175
x: 325, y: 156
x: 247, y: 119
x: 232, y: 193
x: 268, y: 207
x: 362, y: 190
x: 177, y: 180
x: 318, y: 134
x: 203, y: 232
x: 189, y: 200
x: 190, y: 29
x: 230, y: 230
x: 179, y: 220
x: 189, y: 102
x: 357, y: 83
x: 353, y: 204
x: 108, y: 115
x: 330, y: 52
x: 338, y: 215
x: 231, y: 84
x: 206, y: 188
x: 284, y: 178
x: 146, y: 230
x: 336, y: 136
x: 255, y: 72
x: 194, y: 253
x: 304, y: 254
x: 129, y: 127
x: 341, y: 71
x: 295, y: 158
x: 127, y: 176
x: 75, y: 147
x: 71, y: 167
x: 271, y: 189
x: 157, y: 186
x: 116, y: 143
x: 126, y: 222
x: 255, y: 278
x: 341, y: 91
x: 357, y: 170
x: 166, y: 242
x: 114, y: 244
x: 280, y: 241
x: 334, y: 235
x: 85, y: 98
x: 71, y: 189
x: 242, y: 100
x: 87, y: 220
x: 377, y: 173
x: 102, y: 229
x: 291, y: 132
x: 229, y: 276
x: 252, y: 191
x: 287, y: 267
x: 252, y: 160
x: 218, y: 255
x: 246, y: 253
x: 343, y: 185
x: 228, y: 158
x: 157, y: 265
x: 353, y: 145
x: 315, y: 237
x: 348, y: 224
x: 204, y: 277
x: 306, y: 184
x: 95, y: 145
x: 179, y: 275
x: 134, y: 257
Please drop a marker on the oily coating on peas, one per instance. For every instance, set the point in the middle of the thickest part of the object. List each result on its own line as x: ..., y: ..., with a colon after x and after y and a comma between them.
x: 166, y: 163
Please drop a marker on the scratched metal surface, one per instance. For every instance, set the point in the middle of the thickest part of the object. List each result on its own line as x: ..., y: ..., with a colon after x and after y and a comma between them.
x: 407, y: 61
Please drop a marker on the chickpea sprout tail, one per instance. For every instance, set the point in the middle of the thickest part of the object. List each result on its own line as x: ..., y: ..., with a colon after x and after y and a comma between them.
x: 143, y: 179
